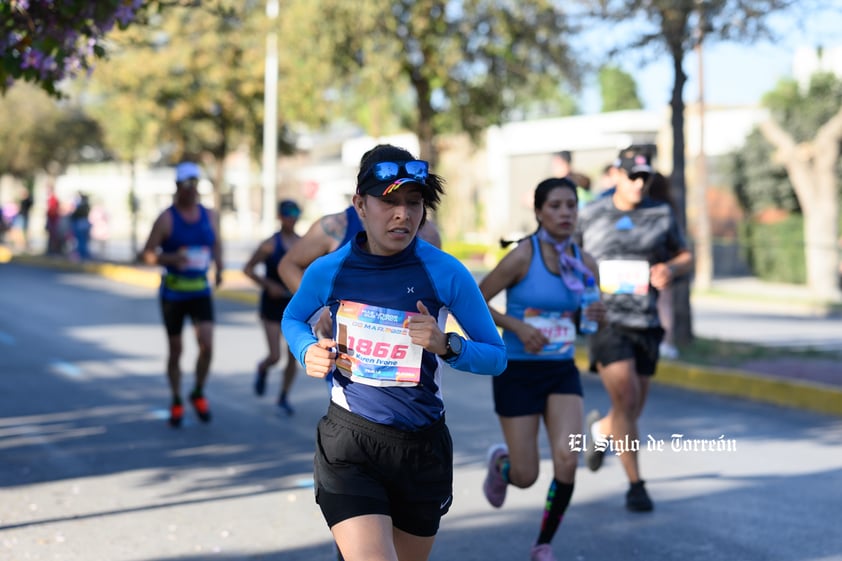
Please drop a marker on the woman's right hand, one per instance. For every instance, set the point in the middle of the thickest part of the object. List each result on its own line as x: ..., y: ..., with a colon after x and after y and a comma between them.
x: 320, y: 358
x: 533, y: 340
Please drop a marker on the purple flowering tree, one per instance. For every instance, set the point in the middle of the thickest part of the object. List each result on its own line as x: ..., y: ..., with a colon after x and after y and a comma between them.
x: 46, y: 41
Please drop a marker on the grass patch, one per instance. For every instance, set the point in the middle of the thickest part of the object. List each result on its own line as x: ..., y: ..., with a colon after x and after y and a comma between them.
x: 716, y: 352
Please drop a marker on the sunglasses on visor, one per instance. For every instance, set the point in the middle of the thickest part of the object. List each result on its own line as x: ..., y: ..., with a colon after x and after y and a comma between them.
x: 385, y: 171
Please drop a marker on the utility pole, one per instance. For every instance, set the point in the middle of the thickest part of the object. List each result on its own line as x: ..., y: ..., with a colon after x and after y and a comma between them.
x: 703, y: 248
x: 270, y: 122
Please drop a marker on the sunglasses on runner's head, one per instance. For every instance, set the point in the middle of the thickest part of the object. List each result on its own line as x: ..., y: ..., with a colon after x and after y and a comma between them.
x: 385, y: 171
x: 190, y: 182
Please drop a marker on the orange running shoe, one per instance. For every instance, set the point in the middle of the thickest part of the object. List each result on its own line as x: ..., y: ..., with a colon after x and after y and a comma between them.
x: 200, y: 404
x: 176, y: 414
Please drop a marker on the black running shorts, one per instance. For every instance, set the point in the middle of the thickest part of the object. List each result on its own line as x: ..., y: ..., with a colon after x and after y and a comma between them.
x: 174, y: 311
x: 614, y: 343
x: 364, y: 468
x: 522, y: 388
x: 272, y: 309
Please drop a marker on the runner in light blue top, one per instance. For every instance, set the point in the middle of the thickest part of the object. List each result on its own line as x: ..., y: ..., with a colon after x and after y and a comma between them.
x: 544, y: 278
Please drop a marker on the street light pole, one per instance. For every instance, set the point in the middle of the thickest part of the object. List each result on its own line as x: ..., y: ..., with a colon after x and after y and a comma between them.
x: 270, y: 122
x: 703, y: 249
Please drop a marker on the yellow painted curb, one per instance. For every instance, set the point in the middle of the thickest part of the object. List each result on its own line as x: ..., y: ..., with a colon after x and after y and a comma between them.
x: 147, y: 277
x: 811, y: 396
x: 241, y: 296
x: 736, y: 383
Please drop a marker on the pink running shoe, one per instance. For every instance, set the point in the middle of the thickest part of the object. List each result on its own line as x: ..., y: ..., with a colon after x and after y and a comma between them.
x: 542, y: 552
x: 495, y: 486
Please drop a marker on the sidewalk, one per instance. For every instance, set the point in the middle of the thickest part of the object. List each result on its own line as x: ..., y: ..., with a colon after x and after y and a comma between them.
x: 804, y: 382
x: 750, y: 293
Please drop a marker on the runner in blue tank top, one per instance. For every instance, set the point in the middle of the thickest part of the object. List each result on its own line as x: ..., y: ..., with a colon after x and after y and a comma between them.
x: 184, y: 241
x: 543, y: 278
x: 274, y: 297
x: 384, y: 457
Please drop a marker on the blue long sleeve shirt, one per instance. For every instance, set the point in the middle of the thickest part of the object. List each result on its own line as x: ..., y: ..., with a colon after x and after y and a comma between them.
x: 387, y: 289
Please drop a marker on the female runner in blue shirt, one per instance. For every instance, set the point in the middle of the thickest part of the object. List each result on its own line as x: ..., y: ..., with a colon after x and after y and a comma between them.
x: 543, y: 277
x: 383, y: 467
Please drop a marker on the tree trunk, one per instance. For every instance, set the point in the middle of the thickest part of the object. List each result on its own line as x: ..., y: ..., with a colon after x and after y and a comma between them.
x: 811, y: 167
x: 682, y: 314
x: 218, y: 183
x: 425, y: 130
x: 820, y: 239
x: 133, y: 205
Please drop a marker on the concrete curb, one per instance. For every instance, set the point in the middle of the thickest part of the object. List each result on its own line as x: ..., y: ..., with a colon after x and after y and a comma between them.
x: 735, y: 383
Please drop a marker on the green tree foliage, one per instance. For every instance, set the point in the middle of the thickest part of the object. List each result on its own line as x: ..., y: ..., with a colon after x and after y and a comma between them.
x: 190, y: 79
x: 44, y: 41
x: 39, y: 134
x: 760, y: 184
x: 801, y: 111
x: 435, y: 65
x: 806, y: 132
x: 776, y: 251
x: 676, y: 27
x: 618, y: 88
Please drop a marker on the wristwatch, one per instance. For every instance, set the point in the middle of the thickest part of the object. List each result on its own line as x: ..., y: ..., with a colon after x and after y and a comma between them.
x: 454, y: 346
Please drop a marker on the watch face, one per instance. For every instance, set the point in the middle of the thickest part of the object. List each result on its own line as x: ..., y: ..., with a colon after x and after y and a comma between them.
x: 455, y: 343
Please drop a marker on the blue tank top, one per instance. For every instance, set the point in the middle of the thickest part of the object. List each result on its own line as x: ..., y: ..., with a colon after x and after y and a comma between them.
x: 271, y: 262
x: 198, y: 239
x: 542, y: 300
x: 355, y: 225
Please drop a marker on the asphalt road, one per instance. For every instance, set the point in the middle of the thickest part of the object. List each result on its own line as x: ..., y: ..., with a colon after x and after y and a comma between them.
x: 90, y: 471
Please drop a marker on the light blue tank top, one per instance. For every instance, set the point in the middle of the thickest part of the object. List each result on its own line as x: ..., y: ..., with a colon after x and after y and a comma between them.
x: 543, y: 300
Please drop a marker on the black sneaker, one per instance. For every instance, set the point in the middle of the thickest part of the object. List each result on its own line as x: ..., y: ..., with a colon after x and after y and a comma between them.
x: 637, y: 499
x: 260, y: 381
x: 284, y: 408
x: 593, y: 457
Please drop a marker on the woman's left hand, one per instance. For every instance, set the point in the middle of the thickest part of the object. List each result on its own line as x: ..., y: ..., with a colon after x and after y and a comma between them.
x: 425, y: 332
x: 596, y: 311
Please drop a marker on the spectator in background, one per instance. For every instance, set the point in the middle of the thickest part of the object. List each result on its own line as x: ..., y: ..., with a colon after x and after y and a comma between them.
x: 561, y: 166
x: 659, y: 190
x: 54, y: 241
x: 608, y: 180
x: 8, y: 212
x: 25, y: 207
x: 100, y: 228
x: 80, y: 225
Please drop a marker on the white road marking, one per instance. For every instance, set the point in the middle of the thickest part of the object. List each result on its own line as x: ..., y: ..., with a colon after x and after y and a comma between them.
x: 67, y: 369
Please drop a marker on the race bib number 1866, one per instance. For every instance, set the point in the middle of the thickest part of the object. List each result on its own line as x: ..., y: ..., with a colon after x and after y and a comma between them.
x: 375, y: 347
